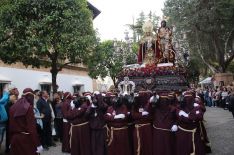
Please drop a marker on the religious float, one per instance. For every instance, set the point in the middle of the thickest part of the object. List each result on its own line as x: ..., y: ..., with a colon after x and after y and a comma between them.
x: 156, y: 69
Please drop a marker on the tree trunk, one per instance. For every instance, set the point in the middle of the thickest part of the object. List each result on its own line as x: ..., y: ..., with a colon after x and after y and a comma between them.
x: 54, y: 81
x: 202, y: 57
x: 54, y: 72
x: 114, y: 81
x: 220, y: 53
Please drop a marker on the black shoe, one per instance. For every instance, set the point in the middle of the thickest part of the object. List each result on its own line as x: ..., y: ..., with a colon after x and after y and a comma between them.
x: 7, y: 151
x: 46, y: 148
x: 53, y: 144
x: 56, y: 139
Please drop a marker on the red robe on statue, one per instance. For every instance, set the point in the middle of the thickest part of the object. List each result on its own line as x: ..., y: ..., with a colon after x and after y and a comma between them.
x: 22, y: 128
x: 142, y: 52
x: 118, y: 143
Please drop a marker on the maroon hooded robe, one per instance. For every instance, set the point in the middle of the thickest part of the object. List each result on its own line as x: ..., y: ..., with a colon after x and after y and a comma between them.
x: 188, y: 139
x: 97, y: 126
x: 201, y: 127
x: 118, y: 143
x: 80, y: 131
x: 163, y: 120
x: 22, y: 128
x: 142, y: 135
x: 66, y: 127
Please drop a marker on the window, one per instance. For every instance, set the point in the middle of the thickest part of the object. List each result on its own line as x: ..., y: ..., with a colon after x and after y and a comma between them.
x: 46, y: 87
x: 1, y: 88
x: 78, y: 88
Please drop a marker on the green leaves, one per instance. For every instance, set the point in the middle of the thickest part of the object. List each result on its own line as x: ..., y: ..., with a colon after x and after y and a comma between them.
x: 62, y: 25
x: 104, y: 61
x: 45, y: 32
x: 208, y: 26
x: 136, y: 27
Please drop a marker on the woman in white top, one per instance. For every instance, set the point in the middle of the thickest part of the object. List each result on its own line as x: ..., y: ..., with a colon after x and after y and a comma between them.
x: 224, y: 95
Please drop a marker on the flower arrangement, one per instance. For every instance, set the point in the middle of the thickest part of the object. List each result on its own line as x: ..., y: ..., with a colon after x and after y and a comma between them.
x: 153, y: 71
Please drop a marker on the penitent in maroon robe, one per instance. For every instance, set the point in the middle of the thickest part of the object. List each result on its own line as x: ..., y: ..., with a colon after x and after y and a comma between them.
x: 98, y: 127
x: 118, y: 143
x: 66, y: 127
x: 188, y: 128
x: 80, y: 131
x: 201, y: 127
x: 22, y: 128
x: 163, y: 119
x: 142, y: 135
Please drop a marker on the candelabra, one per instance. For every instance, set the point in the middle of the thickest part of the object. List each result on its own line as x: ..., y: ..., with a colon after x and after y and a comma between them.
x: 123, y: 48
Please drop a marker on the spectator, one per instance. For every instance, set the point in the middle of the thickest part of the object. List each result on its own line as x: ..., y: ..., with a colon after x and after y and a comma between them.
x: 3, y: 113
x: 38, y: 115
x: 209, y: 98
x: 14, y: 93
x: 206, y: 96
x: 216, y: 97
x: 36, y: 95
x: 224, y: 96
x: 44, y: 108
x: 231, y: 103
x: 58, y: 122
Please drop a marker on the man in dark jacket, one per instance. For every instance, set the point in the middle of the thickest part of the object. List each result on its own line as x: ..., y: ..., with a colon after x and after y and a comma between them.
x: 45, y: 110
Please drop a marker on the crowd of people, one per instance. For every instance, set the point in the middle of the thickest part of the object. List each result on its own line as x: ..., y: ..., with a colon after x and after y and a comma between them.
x: 144, y: 123
x: 218, y: 97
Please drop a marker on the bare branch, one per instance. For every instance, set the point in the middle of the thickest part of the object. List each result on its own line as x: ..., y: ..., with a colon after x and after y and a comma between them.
x: 202, y: 30
x: 63, y: 65
x: 229, y: 60
x: 226, y: 41
x: 202, y: 57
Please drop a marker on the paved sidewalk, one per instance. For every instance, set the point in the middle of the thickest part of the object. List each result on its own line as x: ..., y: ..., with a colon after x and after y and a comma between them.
x: 220, y: 129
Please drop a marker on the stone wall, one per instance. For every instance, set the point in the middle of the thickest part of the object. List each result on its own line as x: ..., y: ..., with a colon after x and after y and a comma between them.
x: 223, y: 79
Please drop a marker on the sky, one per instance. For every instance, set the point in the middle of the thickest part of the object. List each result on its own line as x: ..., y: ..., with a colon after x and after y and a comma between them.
x: 115, y: 14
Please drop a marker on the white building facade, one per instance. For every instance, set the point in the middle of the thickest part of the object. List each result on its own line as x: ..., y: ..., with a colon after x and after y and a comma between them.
x: 74, y: 81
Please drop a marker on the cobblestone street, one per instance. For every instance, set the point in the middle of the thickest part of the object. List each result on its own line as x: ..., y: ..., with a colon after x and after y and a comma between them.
x: 220, y: 128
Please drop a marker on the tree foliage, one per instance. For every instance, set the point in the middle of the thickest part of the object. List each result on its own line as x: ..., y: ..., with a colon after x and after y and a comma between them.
x: 136, y: 27
x: 108, y: 59
x: 193, y: 70
x: 207, y: 26
x: 105, y: 62
x: 51, y: 33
